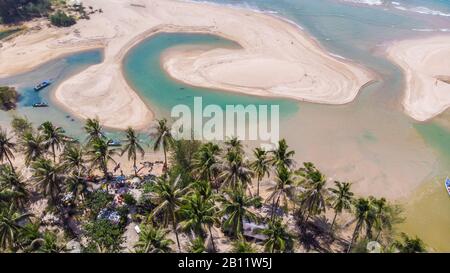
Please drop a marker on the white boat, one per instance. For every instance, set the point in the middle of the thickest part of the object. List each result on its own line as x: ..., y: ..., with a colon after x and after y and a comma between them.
x: 447, y: 185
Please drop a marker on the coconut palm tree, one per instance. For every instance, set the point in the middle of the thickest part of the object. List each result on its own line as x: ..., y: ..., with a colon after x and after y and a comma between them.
x: 132, y: 147
x: 312, y: 199
x: 199, y: 215
x: 48, y: 179
x: 281, y: 156
x: 205, y: 162
x: 54, y: 137
x: 48, y: 243
x: 278, y: 238
x: 77, y: 185
x: 362, y: 210
x: 283, y: 189
x: 72, y: 159
x: 260, y: 166
x: 204, y: 189
x: 100, y: 154
x: 13, y: 186
x: 234, y: 144
x: 153, y: 240
x: 386, y: 217
x: 242, y: 246
x: 197, y: 245
x: 7, y: 147
x: 166, y: 195
x: 33, y: 146
x: 10, y: 227
x: 408, y: 244
x: 236, y: 209
x: 341, y: 199
x: 93, y: 129
x: 163, y: 138
x: 234, y: 171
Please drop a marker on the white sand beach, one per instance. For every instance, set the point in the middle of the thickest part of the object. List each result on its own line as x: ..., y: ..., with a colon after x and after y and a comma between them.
x: 427, y: 72
x: 277, y: 58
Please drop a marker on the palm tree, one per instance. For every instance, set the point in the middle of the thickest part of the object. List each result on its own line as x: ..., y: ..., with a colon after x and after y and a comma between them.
x: 281, y: 156
x: 312, y: 200
x: 163, y: 138
x: 341, y: 199
x: 236, y: 209
x: 199, y: 214
x: 197, y: 245
x: 204, y: 189
x: 409, y: 245
x: 234, y: 171
x: 54, y: 137
x: 153, y: 240
x: 205, y: 162
x: 72, y: 159
x: 242, y: 246
x: 48, y: 243
x: 12, y: 185
x: 33, y: 146
x: 47, y: 177
x: 278, y: 238
x: 133, y: 146
x: 93, y: 129
x: 7, y: 147
x: 234, y: 144
x: 362, y: 210
x: 386, y: 217
x: 260, y: 166
x: 166, y: 195
x: 10, y: 227
x: 77, y: 185
x: 283, y: 189
x: 100, y: 154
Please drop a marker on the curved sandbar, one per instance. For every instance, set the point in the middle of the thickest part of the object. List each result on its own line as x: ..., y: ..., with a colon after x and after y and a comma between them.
x: 276, y: 59
x: 427, y: 70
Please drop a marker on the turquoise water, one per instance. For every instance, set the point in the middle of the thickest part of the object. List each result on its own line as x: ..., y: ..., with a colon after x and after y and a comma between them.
x: 370, y: 141
x: 142, y: 68
x: 57, y: 71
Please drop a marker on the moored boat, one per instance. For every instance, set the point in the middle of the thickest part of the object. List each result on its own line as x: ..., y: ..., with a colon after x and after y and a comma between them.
x: 447, y: 185
x: 40, y: 104
x: 114, y: 143
x: 42, y: 85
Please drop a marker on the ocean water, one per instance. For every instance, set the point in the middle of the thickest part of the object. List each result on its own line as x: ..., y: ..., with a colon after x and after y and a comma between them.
x: 369, y: 142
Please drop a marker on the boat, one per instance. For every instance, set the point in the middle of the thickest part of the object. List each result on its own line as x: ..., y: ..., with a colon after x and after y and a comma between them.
x: 447, y: 185
x: 40, y: 104
x: 114, y: 143
x: 42, y: 85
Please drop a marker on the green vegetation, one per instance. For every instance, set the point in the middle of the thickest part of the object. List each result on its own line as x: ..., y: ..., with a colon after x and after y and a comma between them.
x: 8, y: 98
x: 10, y: 31
x: 17, y: 10
x: 207, y: 194
x: 61, y: 19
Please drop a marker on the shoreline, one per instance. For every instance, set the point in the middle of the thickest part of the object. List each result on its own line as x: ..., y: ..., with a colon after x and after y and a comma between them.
x: 108, y: 82
x: 425, y: 94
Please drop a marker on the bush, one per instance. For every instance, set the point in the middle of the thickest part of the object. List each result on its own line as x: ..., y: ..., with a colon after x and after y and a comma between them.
x: 102, y: 235
x: 8, y: 98
x: 129, y: 199
x: 14, y: 10
x: 98, y: 200
x: 61, y: 19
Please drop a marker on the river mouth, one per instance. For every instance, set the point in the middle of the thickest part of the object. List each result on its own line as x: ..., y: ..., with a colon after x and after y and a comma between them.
x: 369, y: 141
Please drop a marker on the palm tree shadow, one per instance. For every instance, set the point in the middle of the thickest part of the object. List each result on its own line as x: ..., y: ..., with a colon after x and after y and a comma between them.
x: 314, y: 235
